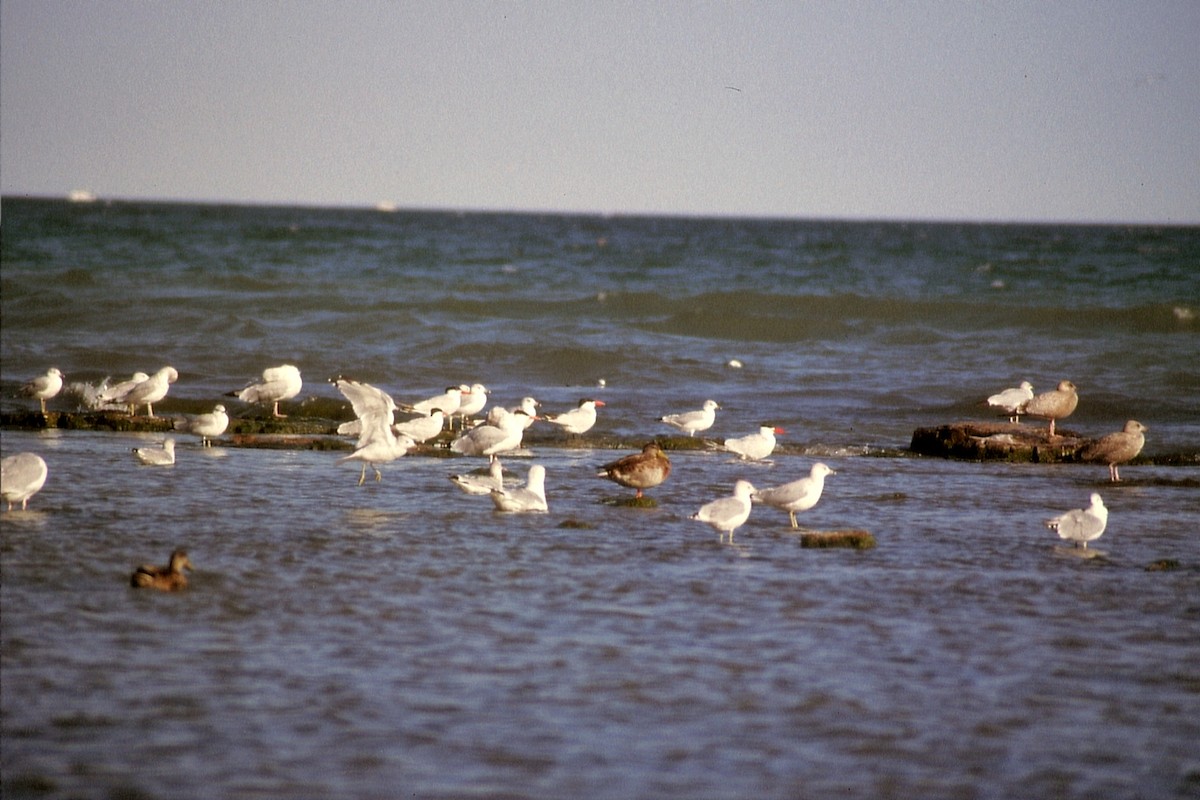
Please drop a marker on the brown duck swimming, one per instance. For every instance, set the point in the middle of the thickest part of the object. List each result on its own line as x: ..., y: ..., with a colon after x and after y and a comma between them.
x: 1116, y: 448
x: 643, y: 470
x: 1054, y: 405
x: 167, y: 579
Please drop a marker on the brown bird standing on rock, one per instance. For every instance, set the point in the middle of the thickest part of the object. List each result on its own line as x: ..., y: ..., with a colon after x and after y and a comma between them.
x: 643, y: 470
x: 167, y: 579
x: 1116, y: 448
x: 1054, y: 405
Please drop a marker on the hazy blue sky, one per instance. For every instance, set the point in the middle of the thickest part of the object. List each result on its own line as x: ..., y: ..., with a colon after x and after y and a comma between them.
x: 1079, y: 111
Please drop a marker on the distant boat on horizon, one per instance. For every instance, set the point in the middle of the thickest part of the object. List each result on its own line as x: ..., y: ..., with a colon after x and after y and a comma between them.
x: 81, y: 196
x: 386, y: 206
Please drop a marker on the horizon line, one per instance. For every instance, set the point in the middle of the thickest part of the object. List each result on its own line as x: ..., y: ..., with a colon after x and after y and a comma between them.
x: 387, y: 207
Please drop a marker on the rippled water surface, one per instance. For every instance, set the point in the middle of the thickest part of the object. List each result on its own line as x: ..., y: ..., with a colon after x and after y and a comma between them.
x: 403, y: 639
x: 338, y: 641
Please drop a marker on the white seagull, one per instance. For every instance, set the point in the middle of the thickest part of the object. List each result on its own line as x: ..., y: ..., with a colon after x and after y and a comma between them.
x: 691, y: 422
x: 481, y: 484
x: 1081, y: 525
x: 448, y: 402
x: 378, y: 443
x: 21, y: 477
x: 729, y: 513
x: 277, y: 384
x: 800, y: 495
x: 207, y: 426
x: 150, y: 391
x: 117, y: 392
x: 1012, y: 401
x: 491, y: 440
x: 421, y: 429
x: 530, y: 497
x: 472, y: 401
x: 578, y: 420
x: 529, y: 408
x: 755, y: 446
x: 157, y: 456
x: 44, y: 387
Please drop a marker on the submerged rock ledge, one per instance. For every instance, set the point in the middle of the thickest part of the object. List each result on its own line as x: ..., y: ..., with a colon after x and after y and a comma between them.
x: 1017, y: 443
x: 997, y: 441
x: 968, y: 441
x: 310, y: 433
x: 852, y: 539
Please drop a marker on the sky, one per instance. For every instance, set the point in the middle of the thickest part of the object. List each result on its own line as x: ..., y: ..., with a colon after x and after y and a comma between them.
x: 920, y: 110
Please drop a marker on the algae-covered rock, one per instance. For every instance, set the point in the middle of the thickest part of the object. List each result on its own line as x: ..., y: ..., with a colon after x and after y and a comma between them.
x: 91, y: 421
x: 285, y: 426
x: 853, y: 539
x: 996, y: 441
x: 633, y: 502
x: 288, y: 441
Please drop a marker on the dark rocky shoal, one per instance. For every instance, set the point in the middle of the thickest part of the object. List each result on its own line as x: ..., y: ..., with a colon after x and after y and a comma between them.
x: 968, y: 441
x: 313, y: 433
x: 1017, y: 443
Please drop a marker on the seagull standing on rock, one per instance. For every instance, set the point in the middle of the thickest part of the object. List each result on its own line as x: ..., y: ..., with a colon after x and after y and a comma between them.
x: 1054, y: 405
x: 447, y: 402
x: 1012, y: 401
x: 692, y: 422
x: 471, y: 402
x: 150, y: 391
x: 755, y: 446
x: 493, y: 439
x: 578, y: 420
x: 44, y: 387
x: 277, y: 384
x: 117, y: 392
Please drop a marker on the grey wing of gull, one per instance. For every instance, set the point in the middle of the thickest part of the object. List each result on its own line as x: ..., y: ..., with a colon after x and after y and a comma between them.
x: 371, y: 405
x: 724, y: 509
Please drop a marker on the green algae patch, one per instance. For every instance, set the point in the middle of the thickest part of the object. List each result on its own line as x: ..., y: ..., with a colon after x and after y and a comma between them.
x: 684, y: 443
x: 851, y: 539
x: 632, y: 502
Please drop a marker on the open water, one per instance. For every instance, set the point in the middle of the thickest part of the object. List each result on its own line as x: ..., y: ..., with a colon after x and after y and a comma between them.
x: 404, y: 640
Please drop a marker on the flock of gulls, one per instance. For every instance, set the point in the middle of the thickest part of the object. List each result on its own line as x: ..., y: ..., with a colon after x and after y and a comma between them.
x: 1080, y: 525
x: 382, y: 439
